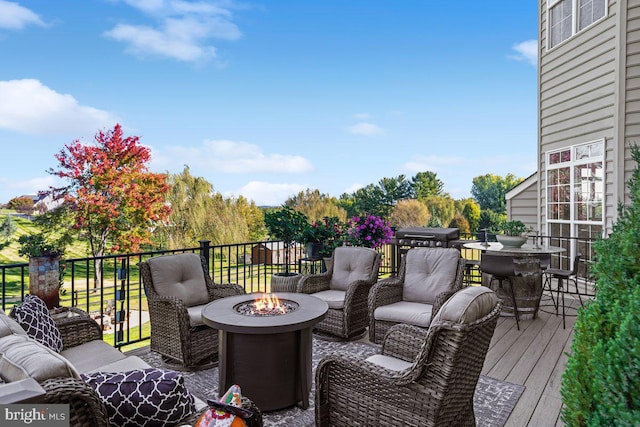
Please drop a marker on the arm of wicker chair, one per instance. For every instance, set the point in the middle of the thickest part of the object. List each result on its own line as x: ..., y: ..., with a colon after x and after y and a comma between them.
x: 385, y: 292
x: 86, y: 407
x: 404, y: 341
x: 314, y: 283
x: 356, y: 299
x: 75, y: 325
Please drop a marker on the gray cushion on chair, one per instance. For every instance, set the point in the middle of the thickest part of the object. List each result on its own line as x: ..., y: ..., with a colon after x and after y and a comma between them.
x: 468, y: 305
x: 180, y: 276
x: 429, y: 272
x: 333, y: 298
x: 412, y: 313
x: 351, y: 264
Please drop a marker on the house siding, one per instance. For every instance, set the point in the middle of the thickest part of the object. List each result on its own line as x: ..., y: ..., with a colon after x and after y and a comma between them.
x: 577, y: 97
x: 632, y: 92
x: 523, y: 205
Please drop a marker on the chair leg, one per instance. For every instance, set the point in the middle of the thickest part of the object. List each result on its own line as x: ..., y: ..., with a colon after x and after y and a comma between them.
x: 515, y: 305
x: 575, y: 281
x: 561, y: 285
x: 546, y: 286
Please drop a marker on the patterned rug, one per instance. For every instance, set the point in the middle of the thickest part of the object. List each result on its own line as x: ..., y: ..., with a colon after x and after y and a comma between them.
x: 493, y: 401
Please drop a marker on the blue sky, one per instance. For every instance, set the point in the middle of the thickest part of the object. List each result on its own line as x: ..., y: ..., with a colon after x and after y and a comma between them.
x: 267, y: 98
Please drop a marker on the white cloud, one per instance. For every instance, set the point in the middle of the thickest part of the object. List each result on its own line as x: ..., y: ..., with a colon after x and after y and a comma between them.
x: 526, y: 51
x: 267, y: 193
x: 28, y: 186
x: 353, y: 187
x: 181, y: 30
x: 433, y: 163
x: 30, y: 107
x: 362, y: 116
x: 366, y: 129
x: 230, y: 157
x: 16, y: 17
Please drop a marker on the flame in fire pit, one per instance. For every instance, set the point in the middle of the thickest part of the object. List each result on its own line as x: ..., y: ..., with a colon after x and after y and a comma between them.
x: 269, y: 303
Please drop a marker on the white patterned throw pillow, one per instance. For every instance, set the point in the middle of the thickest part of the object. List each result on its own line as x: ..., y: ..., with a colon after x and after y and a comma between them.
x: 142, y: 397
x: 34, y: 317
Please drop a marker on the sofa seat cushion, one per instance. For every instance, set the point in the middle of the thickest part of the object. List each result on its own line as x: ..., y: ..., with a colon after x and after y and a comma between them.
x: 180, y: 276
x: 195, y: 315
x: 34, y: 317
x: 142, y: 397
x: 428, y: 273
x: 129, y: 363
x: 389, y: 362
x: 39, y: 361
x: 92, y: 355
x: 333, y: 298
x: 412, y: 313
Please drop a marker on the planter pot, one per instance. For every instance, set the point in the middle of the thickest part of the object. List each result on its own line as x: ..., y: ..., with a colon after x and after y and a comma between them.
x: 511, y: 241
x: 43, y: 279
x: 282, y: 283
x: 312, y: 249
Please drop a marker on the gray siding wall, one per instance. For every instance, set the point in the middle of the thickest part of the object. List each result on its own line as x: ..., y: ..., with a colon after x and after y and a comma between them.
x: 632, y: 92
x: 523, y: 206
x: 577, y: 93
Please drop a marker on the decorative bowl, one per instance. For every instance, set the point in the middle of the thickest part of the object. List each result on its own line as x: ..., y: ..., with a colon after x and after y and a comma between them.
x: 511, y: 241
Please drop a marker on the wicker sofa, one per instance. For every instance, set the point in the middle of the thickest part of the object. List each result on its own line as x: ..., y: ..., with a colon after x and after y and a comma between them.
x: 83, y: 351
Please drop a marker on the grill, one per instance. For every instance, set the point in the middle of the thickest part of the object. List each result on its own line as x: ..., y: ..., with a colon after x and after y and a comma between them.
x: 427, y: 237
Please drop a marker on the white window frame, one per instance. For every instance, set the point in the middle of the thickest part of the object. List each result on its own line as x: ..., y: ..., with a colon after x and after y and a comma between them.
x: 572, y: 163
x: 575, y: 19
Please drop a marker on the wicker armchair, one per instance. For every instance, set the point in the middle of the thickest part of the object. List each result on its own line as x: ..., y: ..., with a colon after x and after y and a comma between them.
x: 345, y: 287
x: 426, y: 279
x: 423, y: 377
x: 177, y: 288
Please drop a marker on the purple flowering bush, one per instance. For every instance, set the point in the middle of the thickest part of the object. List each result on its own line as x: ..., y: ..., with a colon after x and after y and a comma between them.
x: 370, y: 231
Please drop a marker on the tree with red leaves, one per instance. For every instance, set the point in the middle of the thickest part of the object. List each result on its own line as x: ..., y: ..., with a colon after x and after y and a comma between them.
x: 114, y: 197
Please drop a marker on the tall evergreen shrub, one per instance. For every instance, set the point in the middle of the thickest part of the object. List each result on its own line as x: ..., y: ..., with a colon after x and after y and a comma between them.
x: 601, y: 385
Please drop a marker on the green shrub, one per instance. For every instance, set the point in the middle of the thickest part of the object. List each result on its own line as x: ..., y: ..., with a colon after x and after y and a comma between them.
x: 601, y: 385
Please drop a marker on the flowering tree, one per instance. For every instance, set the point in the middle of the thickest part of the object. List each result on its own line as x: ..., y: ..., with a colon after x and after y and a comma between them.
x: 369, y: 230
x: 113, y: 196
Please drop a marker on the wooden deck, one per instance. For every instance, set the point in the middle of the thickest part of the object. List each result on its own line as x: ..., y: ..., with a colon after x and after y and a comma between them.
x: 534, y: 356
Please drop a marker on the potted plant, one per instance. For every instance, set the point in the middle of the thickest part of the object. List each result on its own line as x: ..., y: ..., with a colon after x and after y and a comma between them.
x: 322, y: 237
x: 512, y: 233
x: 44, y: 266
x: 285, y: 224
x: 369, y: 231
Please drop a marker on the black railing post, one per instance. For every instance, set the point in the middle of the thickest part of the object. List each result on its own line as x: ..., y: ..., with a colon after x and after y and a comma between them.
x: 204, y: 251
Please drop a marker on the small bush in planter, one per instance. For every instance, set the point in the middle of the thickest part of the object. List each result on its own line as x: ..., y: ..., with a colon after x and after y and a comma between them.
x: 39, y: 245
x: 514, y: 228
x: 285, y: 224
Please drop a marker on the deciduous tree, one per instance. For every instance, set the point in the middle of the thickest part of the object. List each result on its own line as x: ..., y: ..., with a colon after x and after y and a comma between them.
x: 114, y: 197
x: 489, y: 191
x: 409, y: 213
x: 22, y: 204
x: 316, y: 205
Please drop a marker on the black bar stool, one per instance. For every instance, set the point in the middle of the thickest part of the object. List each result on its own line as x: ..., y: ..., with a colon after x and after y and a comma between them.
x: 501, y: 268
x: 562, y: 276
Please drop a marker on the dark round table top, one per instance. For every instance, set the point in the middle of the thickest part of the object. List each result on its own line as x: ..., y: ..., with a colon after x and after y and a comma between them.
x: 221, y: 314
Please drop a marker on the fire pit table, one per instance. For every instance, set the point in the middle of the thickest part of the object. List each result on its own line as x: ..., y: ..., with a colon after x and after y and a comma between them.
x: 267, y: 355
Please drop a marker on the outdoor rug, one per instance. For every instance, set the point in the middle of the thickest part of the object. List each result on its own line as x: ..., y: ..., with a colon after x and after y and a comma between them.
x: 493, y: 401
